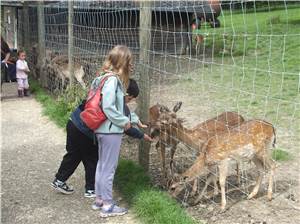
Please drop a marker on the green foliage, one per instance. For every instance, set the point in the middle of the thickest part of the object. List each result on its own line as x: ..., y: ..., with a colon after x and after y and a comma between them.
x: 281, y: 155
x: 151, y: 205
x: 57, y: 109
x: 157, y: 207
x: 72, y: 97
x: 131, y: 179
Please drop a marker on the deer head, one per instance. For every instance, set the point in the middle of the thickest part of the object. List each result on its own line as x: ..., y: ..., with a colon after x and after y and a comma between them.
x: 161, y: 116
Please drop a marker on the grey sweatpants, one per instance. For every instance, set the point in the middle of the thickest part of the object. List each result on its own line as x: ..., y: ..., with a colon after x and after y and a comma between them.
x: 109, y: 150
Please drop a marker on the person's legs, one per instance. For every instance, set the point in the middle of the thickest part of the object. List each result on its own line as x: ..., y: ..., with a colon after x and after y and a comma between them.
x: 5, y: 72
x: 109, y: 146
x: 26, y: 87
x: 98, y: 203
x: 20, y: 87
x: 89, y: 151
x: 70, y: 160
x: 11, y: 70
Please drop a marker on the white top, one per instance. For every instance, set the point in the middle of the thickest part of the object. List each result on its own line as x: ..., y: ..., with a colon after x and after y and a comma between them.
x: 21, y: 67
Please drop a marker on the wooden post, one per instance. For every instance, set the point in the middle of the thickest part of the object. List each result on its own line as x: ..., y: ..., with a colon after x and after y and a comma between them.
x: 26, y: 37
x: 3, y: 31
x: 41, y: 43
x: 144, y: 99
x: 70, y: 41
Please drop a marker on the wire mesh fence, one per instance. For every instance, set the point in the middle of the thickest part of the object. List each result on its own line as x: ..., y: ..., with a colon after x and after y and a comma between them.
x: 213, y: 56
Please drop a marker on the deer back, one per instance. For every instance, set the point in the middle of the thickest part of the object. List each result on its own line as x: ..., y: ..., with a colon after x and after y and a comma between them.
x: 251, y: 138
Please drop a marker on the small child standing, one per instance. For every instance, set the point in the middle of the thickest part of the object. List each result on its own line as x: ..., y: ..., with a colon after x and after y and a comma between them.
x: 22, y: 74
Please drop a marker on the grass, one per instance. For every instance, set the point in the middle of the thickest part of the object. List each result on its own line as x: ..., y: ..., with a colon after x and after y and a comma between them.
x: 281, y: 155
x: 270, y: 40
x: 150, y: 205
x: 250, y: 65
x: 57, y: 111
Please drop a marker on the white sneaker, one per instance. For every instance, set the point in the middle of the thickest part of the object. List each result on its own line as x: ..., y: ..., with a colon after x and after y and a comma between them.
x: 90, y: 194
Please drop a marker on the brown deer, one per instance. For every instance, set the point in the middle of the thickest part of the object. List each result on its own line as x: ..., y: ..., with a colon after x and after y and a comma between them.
x: 156, y: 112
x: 251, y: 141
x: 160, y: 116
x: 61, y: 63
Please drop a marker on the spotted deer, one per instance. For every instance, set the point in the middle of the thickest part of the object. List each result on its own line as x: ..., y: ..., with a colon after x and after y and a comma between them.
x: 250, y: 141
x: 160, y: 117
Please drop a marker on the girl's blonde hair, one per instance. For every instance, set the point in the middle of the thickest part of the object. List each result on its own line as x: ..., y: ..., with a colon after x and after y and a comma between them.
x: 118, y: 61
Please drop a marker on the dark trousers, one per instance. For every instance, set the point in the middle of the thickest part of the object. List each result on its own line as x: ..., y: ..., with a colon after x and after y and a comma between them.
x: 8, y: 74
x: 80, y: 148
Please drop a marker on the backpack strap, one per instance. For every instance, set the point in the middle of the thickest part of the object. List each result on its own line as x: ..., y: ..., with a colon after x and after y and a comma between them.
x: 103, y: 80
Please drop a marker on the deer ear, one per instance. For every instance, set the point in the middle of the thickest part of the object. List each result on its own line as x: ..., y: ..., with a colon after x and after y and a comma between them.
x: 177, y: 106
x: 181, y: 120
x: 164, y: 109
x: 163, y: 121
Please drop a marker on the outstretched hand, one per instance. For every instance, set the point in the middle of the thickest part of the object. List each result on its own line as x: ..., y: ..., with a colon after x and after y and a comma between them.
x: 148, y: 138
x: 141, y: 125
x: 127, y: 126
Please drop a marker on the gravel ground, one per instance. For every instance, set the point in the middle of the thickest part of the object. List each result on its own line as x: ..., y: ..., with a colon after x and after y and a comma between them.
x: 32, y: 148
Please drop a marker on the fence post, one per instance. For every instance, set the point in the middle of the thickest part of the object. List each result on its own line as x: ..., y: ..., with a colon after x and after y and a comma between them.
x: 41, y: 42
x: 144, y: 99
x: 70, y: 41
x: 26, y: 38
x: 3, y: 31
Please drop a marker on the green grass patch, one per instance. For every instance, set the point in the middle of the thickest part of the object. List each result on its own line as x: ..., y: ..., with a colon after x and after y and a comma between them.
x: 281, y: 155
x: 270, y: 40
x: 150, y: 204
x: 57, y: 111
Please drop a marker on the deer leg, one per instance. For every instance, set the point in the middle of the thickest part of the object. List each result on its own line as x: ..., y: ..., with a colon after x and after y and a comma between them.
x: 271, y: 165
x: 194, y: 188
x: 178, y: 188
x: 162, y: 153
x: 223, y: 169
x: 260, y: 168
x: 207, y: 182
x: 216, y: 188
x: 238, y: 173
x: 173, y: 150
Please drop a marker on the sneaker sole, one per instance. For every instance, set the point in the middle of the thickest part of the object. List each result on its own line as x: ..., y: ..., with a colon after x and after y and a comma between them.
x: 61, y: 190
x: 105, y: 215
x: 96, y: 208
x: 89, y: 196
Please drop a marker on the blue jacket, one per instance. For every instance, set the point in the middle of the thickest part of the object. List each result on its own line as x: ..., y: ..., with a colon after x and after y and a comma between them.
x: 112, y: 105
x: 133, y: 132
x: 76, y: 120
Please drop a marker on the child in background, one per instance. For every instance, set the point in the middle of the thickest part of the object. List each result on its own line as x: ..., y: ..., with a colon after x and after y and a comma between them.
x: 22, y: 74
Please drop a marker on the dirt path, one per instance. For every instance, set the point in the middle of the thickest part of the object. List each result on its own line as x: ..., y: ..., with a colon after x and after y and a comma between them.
x: 32, y: 148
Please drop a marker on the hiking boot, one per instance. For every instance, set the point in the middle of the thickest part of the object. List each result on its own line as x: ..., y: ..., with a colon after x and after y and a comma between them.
x: 20, y: 93
x: 26, y: 92
x: 90, y: 194
x: 113, y: 210
x: 62, y: 187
